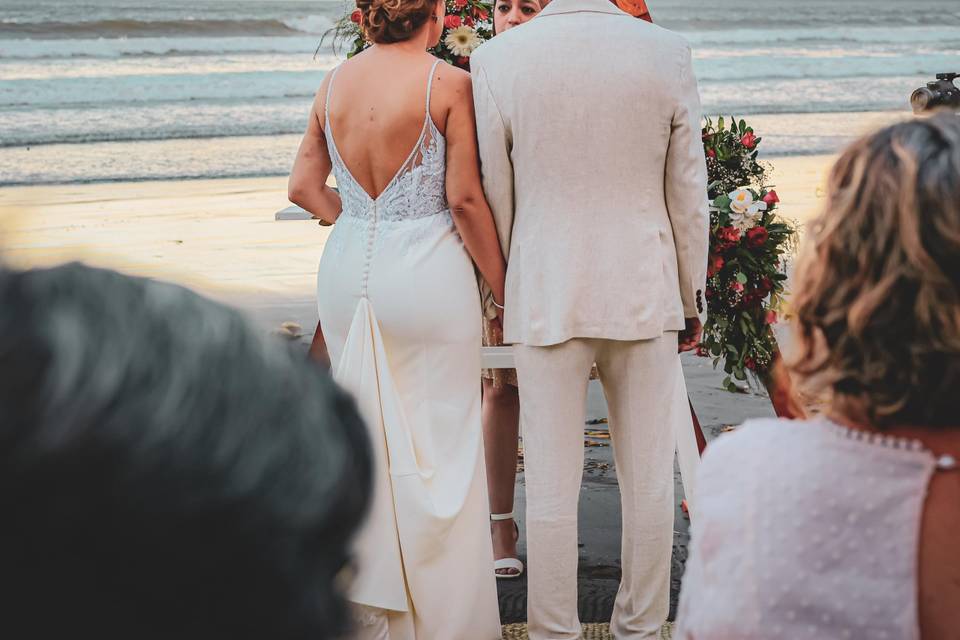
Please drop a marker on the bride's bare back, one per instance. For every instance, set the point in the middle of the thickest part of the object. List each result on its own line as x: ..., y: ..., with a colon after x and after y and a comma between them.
x: 377, y: 115
x: 377, y: 112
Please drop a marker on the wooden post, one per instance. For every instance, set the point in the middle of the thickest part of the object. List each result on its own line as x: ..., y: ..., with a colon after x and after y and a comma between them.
x: 697, y: 429
x: 318, y: 348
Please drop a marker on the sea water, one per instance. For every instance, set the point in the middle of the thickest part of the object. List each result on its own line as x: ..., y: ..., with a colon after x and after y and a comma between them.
x: 106, y: 90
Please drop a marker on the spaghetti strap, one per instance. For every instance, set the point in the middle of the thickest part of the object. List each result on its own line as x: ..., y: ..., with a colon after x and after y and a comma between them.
x: 433, y: 72
x: 326, y: 101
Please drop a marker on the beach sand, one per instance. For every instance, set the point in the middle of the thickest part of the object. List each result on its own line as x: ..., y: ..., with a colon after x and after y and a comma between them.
x: 219, y: 237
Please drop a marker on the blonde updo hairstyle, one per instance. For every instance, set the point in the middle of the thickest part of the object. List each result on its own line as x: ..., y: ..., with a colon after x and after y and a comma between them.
x: 877, y: 295
x: 390, y: 21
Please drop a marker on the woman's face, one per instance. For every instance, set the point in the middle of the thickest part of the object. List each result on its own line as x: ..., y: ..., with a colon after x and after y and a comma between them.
x: 509, y: 13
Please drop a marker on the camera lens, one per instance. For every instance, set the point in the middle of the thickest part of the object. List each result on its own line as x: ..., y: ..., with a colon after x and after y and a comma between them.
x: 921, y: 98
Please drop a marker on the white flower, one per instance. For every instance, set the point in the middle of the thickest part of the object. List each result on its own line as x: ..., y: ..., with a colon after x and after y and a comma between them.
x: 740, y: 200
x: 744, y: 211
x: 462, y: 41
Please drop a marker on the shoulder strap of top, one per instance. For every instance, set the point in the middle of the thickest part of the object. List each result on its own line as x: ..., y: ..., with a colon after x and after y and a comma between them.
x: 326, y: 102
x: 433, y: 72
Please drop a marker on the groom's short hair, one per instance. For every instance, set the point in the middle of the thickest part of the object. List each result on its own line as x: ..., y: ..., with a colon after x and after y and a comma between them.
x: 166, y: 470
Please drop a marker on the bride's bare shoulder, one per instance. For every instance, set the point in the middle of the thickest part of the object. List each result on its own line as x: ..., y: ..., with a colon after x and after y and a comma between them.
x: 451, y: 85
x: 448, y: 72
x: 451, y: 93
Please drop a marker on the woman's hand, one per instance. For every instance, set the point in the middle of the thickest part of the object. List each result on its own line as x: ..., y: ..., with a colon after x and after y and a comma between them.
x: 496, y: 331
x: 690, y: 336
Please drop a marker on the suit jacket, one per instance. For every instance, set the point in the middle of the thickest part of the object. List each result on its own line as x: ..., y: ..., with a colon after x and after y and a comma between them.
x: 589, y: 128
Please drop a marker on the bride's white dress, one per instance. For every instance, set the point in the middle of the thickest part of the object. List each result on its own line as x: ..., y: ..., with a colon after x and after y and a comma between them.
x: 401, y: 314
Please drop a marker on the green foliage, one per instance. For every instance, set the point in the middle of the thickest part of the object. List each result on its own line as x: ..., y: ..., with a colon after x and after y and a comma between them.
x: 730, y: 162
x: 749, y: 245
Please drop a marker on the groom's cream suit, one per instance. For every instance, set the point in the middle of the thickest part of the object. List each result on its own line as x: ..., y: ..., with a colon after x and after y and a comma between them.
x: 589, y: 128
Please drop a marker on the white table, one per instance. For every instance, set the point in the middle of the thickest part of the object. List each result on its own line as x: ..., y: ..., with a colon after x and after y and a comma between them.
x: 292, y: 212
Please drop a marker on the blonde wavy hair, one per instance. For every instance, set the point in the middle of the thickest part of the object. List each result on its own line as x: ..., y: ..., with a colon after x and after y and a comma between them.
x: 878, y: 289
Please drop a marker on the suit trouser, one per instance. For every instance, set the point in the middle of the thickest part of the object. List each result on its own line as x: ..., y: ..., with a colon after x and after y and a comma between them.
x: 646, y: 394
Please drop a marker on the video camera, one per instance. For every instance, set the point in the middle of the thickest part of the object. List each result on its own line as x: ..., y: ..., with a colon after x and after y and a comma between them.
x: 938, y: 94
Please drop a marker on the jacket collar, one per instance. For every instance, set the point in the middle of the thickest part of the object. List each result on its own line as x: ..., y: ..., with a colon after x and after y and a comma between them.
x: 558, y: 7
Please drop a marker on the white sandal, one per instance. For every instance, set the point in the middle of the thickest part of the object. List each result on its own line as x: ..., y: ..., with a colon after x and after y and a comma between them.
x: 507, y: 563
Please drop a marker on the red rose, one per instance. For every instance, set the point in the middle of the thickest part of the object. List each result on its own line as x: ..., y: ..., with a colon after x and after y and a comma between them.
x: 728, y: 235
x: 749, y: 140
x: 766, y: 285
x: 703, y: 353
x: 711, y: 153
x: 356, y: 16
x: 749, y: 363
x: 452, y: 21
x: 464, y: 63
x: 757, y: 237
x: 714, y: 265
x: 468, y: 21
x: 736, y: 286
x: 481, y: 15
x: 460, y: 4
x: 771, y: 317
x: 771, y: 198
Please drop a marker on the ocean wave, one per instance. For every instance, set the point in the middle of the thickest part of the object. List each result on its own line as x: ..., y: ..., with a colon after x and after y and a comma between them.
x: 149, y: 160
x: 942, y: 36
x: 234, y: 157
x: 45, y: 139
x: 41, y: 70
x: 78, y: 124
x: 315, y: 24
x: 70, y: 178
x: 160, y: 52
x: 858, y: 69
x: 126, y: 28
x: 110, y: 48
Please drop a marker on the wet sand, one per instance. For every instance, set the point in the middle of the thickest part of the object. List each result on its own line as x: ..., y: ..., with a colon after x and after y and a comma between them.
x: 219, y: 236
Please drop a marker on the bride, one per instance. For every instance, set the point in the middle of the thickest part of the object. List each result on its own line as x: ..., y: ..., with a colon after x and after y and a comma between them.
x: 400, y: 310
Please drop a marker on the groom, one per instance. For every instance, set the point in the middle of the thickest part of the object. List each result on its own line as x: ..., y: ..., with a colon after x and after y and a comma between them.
x: 589, y: 128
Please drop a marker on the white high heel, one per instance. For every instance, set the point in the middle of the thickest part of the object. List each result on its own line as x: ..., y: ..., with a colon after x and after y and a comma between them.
x: 507, y: 563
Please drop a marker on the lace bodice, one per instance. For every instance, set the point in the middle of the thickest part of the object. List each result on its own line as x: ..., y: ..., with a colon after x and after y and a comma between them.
x: 416, y: 191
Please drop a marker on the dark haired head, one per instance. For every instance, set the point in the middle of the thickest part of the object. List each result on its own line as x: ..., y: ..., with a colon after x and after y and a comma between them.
x: 878, y: 293
x: 166, y: 471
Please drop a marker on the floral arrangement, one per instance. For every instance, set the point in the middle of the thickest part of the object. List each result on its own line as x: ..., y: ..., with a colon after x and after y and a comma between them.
x: 467, y: 25
x: 748, y: 243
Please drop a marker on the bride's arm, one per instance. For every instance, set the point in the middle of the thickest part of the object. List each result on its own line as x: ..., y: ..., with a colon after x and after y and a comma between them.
x: 468, y: 205
x: 307, y: 186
